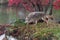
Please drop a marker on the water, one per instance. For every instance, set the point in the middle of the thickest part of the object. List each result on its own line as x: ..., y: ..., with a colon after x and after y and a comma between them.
x: 2, y: 36
x: 11, y: 38
x: 8, y: 37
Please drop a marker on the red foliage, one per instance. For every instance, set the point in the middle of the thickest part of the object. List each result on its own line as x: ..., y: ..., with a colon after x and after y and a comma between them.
x: 45, y: 2
x: 28, y: 4
x: 10, y: 3
x: 14, y: 2
x: 57, y: 4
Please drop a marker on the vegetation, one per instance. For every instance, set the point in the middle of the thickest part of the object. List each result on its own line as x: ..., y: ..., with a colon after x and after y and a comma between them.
x: 34, y: 32
x: 22, y: 31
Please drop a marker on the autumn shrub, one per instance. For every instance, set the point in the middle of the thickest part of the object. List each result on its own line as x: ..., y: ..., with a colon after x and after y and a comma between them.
x: 44, y: 36
x: 39, y: 31
x: 19, y: 22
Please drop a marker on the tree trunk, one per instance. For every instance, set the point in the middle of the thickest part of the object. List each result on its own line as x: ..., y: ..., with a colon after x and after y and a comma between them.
x: 51, y: 5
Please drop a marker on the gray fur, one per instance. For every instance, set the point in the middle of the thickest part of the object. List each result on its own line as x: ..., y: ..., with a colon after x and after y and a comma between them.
x: 34, y: 17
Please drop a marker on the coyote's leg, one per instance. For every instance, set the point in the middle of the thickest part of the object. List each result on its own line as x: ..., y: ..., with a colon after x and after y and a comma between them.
x: 35, y: 22
x: 46, y: 21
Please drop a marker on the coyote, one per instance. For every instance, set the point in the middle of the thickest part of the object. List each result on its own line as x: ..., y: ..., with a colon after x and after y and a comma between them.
x: 36, y: 16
